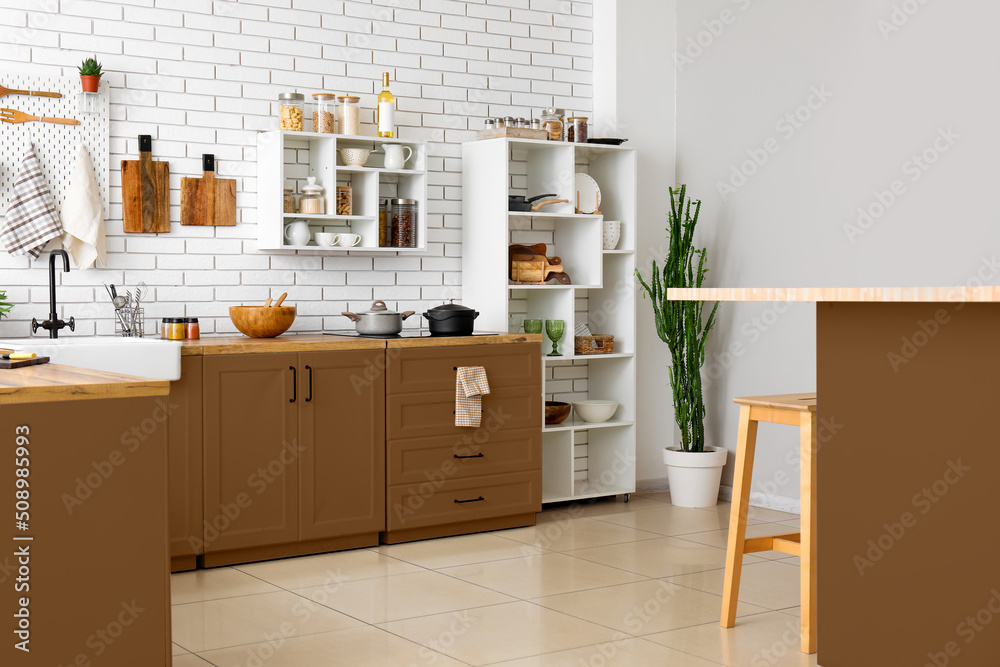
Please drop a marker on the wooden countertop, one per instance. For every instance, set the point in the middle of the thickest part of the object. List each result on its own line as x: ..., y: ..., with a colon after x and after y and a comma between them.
x: 212, y: 345
x: 984, y: 294
x: 56, y: 382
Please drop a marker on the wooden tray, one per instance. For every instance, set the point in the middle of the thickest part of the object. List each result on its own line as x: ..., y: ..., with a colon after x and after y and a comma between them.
x: 512, y: 133
x: 19, y: 363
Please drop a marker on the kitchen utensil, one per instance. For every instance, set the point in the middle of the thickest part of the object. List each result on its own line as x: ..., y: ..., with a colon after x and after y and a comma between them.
x: 354, y: 157
x: 394, y: 155
x: 20, y: 363
x: 145, y: 191
x: 119, y: 303
x: 277, y: 304
x: 267, y: 304
x: 451, y: 319
x: 529, y: 265
x: 15, y: 116
x: 532, y: 326
x: 612, y: 234
x: 326, y: 239
x: 14, y: 356
x: 607, y: 141
x: 522, y: 203
x: 595, y: 411
x: 379, y: 321
x: 297, y: 232
x: 588, y: 194
x: 140, y: 291
x: 262, y: 321
x: 556, y: 411
x: 347, y: 240
x: 555, y: 329
x: 35, y: 93
x: 208, y: 201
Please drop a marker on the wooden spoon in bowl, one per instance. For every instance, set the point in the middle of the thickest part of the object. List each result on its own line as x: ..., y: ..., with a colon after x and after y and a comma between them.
x: 280, y: 299
x: 267, y: 304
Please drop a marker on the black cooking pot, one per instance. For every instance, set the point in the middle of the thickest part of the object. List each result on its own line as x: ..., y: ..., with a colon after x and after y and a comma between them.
x: 451, y: 319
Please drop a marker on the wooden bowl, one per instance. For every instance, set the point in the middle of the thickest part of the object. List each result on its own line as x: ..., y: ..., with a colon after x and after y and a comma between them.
x: 262, y: 321
x: 556, y: 411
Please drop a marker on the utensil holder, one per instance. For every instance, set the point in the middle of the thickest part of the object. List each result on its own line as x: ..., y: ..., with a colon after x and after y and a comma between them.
x: 125, y: 315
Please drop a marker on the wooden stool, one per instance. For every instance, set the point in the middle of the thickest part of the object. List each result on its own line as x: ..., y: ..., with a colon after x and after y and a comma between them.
x: 794, y: 410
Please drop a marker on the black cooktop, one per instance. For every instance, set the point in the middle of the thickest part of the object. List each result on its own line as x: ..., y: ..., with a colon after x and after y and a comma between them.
x: 405, y: 333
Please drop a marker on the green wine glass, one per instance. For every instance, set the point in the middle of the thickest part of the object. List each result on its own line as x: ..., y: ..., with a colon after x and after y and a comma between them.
x: 533, y: 326
x: 555, y: 329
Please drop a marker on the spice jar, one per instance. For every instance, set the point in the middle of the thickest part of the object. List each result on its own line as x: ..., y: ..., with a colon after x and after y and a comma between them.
x: 192, y: 329
x: 288, y: 201
x: 172, y: 328
x: 552, y: 122
x: 383, y: 223
x: 404, y: 223
x: 291, y: 111
x: 349, y: 114
x: 344, y: 203
x: 490, y: 124
x: 312, y: 200
x: 576, y: 127
x: 324, y: 117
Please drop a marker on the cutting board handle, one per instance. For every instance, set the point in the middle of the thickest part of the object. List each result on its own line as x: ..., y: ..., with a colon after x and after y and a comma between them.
x: 208, y: 162
x: 145, y: 143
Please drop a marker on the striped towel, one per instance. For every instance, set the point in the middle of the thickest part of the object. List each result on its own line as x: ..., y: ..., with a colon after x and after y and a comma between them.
x: 32, y: 219
x: 470, y: 387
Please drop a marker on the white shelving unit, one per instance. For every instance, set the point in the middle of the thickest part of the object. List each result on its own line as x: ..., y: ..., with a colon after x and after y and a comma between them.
x: 286, y: 159
x: 579, y: 460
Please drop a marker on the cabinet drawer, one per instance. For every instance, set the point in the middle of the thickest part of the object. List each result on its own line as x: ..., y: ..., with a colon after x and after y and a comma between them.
x: 433, y: 413
x: 433, y: 369
x: 437, y: 502
x: 421, y: 459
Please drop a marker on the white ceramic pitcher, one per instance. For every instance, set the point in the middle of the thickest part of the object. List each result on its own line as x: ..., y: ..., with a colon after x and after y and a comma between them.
x: 394, y: 155
x: 297, y: 232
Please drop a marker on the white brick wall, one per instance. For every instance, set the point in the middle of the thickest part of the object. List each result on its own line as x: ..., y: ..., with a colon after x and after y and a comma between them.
x: 203, y: 77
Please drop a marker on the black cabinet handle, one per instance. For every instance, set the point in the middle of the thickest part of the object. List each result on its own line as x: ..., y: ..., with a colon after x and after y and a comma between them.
x: 474, y: 500
x: 295, y: 384
x: 480, y: 455
x: 310, y: 369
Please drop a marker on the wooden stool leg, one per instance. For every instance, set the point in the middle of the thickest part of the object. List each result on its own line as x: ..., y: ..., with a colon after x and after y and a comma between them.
x: 807, y: 554
x: 745, y: 444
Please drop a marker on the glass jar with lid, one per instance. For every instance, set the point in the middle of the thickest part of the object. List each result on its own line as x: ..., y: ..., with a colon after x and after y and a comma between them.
x: 324, y: 117
x: 349, y: 114
x: 576, y: 128
x: 383, y: 223
x: 312, y: 200
x: 345, y: 203
x: 290, y: 114
x: 404, y: 223
x: 288, y: 201
x: 552, y: 122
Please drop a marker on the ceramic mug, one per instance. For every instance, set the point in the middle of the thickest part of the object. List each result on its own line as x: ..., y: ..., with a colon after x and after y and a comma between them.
x: 326, y: 238
x: 297, y: 232
x: 347, y: 240
x: 394, y: 155
x: 612, y: 234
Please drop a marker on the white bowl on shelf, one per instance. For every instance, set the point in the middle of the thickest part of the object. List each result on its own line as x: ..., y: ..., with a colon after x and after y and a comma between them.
x: 595, y: 411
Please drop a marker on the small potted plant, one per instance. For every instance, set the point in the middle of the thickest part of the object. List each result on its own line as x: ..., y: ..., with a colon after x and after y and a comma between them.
x: 90, y: 74
x: 694, y: 471
x: 5, y: 306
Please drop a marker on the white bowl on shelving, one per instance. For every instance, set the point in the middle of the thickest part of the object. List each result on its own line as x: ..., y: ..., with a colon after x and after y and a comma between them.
x: 595, y: 411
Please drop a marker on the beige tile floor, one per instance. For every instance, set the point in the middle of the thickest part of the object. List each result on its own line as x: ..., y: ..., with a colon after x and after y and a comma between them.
x: 602, y: 584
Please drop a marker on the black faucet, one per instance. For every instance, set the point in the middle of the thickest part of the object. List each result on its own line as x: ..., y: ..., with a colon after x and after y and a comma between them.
x: 54, y: 324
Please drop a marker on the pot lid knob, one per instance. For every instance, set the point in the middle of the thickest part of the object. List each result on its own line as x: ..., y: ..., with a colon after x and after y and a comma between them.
x: 379, y: 305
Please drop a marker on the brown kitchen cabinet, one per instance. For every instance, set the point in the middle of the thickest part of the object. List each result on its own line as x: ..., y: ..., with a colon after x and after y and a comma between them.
x: 184, y: 466
x: 448, y: 480
x: 294, y: 460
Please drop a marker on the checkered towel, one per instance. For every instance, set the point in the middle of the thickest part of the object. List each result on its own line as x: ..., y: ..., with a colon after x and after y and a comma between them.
x: 470, y: 387
x: 32, y: 219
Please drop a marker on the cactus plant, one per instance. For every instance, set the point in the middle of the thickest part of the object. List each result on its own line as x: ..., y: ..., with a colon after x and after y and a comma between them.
x: 90, y: 67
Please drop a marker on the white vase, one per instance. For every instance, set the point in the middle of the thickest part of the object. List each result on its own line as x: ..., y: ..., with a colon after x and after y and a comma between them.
x: 612, y: 234
x: 694, y: 477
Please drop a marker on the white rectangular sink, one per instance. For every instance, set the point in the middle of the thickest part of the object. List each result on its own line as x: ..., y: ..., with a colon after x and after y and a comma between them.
x: 144, y: 357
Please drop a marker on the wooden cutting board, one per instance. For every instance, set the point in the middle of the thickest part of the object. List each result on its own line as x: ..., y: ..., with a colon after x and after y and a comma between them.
x: 208, y: 201
x: 145, y: 192
x: 19, y: 363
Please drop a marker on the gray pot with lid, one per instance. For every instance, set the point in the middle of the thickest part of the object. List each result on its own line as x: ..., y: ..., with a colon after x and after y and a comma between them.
x: 379, y: 321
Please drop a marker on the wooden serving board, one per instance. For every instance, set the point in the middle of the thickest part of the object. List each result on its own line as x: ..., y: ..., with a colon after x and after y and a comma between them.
x: 512, y: 133
x: 20, y: 363
x: 145, y: 192
x: 208, y: 201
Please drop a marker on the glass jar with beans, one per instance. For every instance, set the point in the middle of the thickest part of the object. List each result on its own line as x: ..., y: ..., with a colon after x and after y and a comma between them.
x: 404, y: 223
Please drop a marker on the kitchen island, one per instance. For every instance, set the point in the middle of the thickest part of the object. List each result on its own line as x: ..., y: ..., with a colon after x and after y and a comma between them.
x: 84, y: 569
x: 906, y: 489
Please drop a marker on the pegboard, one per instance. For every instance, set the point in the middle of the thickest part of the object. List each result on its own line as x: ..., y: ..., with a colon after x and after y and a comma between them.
x: 55, y: 145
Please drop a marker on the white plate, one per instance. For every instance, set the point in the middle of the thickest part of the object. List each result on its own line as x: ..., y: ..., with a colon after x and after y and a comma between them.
x: 588, y: 195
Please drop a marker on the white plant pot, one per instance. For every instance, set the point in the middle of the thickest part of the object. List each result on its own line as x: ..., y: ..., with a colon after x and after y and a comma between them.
x: 694, y: 477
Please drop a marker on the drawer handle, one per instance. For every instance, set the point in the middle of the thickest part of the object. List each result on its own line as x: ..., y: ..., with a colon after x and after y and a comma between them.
x: 295, y: 384
x: 480, y: 455
x: 474, y: 500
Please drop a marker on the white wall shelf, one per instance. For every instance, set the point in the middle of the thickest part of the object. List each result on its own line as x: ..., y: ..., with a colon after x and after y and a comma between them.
x: 286, y: 159
x: 579, y: 459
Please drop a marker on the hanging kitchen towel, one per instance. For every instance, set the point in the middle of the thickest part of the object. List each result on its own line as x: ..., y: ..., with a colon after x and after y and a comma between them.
x: 32, y: 219
x: 470, y: 387
x: 83, y: 215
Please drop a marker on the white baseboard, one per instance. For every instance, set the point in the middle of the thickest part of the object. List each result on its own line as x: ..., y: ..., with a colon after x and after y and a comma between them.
x: 757, y: 499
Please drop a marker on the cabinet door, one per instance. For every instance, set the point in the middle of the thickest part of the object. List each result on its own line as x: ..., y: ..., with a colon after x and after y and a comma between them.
x: 342, y: 431
x: 251, y: 450
x: 184, y: 466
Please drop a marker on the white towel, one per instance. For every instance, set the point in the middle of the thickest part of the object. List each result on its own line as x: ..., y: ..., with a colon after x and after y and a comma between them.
x: 470, y: 387
x: 83, y: 216
x: 32, y: 219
